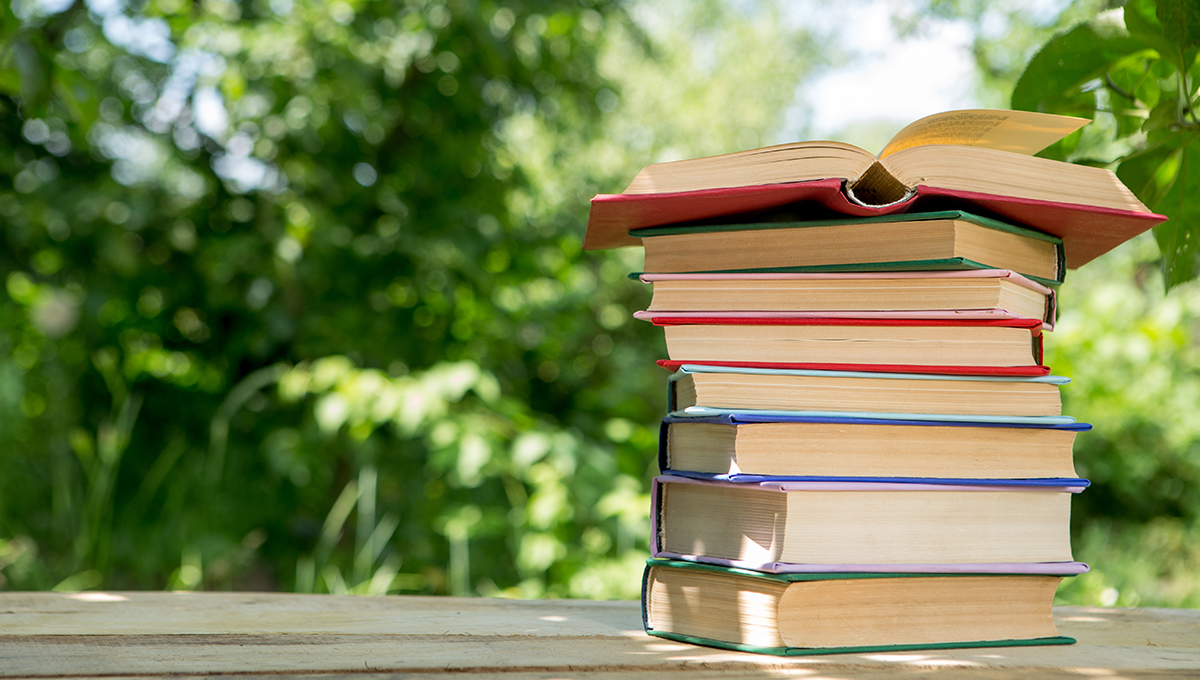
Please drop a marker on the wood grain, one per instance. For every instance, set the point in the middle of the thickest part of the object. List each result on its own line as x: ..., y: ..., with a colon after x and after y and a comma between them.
x: 139, y: 635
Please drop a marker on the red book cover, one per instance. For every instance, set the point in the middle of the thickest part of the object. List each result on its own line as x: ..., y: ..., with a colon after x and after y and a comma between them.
x: 672, y: 365
x: 1087, y: 231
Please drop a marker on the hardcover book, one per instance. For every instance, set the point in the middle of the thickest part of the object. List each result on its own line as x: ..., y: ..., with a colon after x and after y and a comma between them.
x: 711, y: 390
x: 978, y: 160
x: 800, y: 614
x: 1010, y: 371
x: 982, y: 294
x: 749, y: 447
x: 945, y: 240
x: 894, y: 342
x: 895, y: 526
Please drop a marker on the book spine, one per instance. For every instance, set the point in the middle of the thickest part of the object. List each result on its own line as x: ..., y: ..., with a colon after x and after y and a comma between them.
x: 647, y: 625
x: 656, y: 519
x: 664, y: 461
x: 672, y: 400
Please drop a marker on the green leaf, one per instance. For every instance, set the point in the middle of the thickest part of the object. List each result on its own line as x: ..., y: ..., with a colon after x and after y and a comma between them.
x: 1076, y: 103
x: 1143, y: 23
x: 1133, y: 88
x: 1063, y: 148
x: 1181, y: 26
x: 1150, y: 174
x: 1179, y: 239
x: 1162, y: 117
x: 1067, y: 63
x: 1167, y: 179
x: 1128, y: 81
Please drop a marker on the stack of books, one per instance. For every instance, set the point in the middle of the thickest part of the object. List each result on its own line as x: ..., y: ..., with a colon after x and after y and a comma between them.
x: 863, y: 449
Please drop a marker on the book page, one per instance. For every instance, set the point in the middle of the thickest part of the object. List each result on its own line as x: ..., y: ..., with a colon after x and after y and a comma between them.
x: 1023, y: 132
x: 794, y: 162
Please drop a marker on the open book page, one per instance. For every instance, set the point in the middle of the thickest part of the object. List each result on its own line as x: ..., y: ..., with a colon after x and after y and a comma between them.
x: 794, y: 162
x: 1023, y: 132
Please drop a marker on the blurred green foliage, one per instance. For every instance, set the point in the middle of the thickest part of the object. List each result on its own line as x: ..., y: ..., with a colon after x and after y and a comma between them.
x: 1131, y: 351
x: 294, y: 296
x: 277, y: 317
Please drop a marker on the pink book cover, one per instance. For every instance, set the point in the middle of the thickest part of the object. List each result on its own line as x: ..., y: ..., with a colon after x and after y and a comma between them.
x: 948, y: 274
x: 1036, y: 370
x: 951, y: 314
x: 1087, y: 231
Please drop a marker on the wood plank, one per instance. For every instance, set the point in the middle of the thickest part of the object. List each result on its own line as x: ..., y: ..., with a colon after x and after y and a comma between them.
x: 161, y: 613
x: 702, y: 672
x: 46, y: 635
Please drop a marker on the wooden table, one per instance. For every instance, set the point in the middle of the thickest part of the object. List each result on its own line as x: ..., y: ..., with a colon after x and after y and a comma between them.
x: 150, y: 634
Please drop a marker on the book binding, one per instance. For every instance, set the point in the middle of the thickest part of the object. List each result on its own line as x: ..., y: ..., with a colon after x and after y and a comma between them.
x: 1087, y: 231
x: 1048, y: 318
x: 657, y: 551
x: 649, y: 627
x: 1034, y: 326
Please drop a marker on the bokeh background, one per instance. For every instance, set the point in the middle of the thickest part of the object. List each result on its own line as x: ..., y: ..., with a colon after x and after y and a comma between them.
x: 294, y: 296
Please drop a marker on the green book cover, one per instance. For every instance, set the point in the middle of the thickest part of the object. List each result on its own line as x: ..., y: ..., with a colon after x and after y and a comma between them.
x: 648, y: 624
x: 949, y: 263
x: 880, y: 219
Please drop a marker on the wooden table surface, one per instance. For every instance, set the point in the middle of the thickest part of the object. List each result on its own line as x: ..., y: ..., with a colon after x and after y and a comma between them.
x: 151, y: 634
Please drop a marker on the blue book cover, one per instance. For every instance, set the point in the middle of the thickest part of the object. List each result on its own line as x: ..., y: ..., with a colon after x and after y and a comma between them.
x: 840, y: 448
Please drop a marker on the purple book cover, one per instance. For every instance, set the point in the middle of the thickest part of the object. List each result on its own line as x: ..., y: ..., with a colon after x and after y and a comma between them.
x: 1065, y: 568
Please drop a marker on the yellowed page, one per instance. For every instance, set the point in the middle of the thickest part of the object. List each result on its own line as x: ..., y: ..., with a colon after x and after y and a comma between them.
x: 1023, y: 132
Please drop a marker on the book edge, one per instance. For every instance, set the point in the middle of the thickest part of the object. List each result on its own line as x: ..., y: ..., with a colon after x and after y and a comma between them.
x: 814, y: 651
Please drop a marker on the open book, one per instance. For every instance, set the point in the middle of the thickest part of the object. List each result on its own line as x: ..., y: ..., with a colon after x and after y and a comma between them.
x: 977, y: 158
